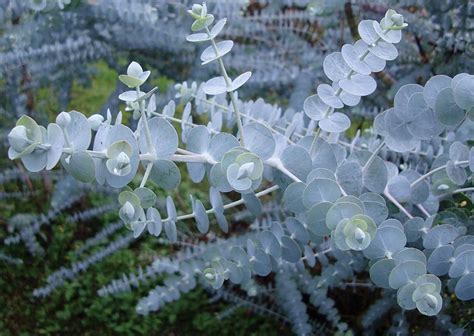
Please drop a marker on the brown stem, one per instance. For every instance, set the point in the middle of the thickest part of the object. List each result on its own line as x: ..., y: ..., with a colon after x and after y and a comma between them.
x: 421, y: 50
x: 351, y: 21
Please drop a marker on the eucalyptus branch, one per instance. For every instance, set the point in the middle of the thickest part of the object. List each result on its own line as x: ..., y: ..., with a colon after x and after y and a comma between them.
x: 374, y: 154
x: 232, y: 204
x: 463, y: 190
x: 146, y: 174
x: 144, y: 119
x: 245, y: 116
x: 228, y: 83
x: 397, y: 204
x: 435, y: 170
x: 276, y: 163
x: 422, y: 209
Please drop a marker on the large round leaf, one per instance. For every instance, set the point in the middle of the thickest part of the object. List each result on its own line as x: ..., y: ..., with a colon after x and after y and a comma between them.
x: 405, y: 273
x: 380, y: 272
x: 165, y: 174
x: 465, y: 287
x: 446, y: 109
x: 335, y: 123
x: 82, y: 167
x: 387, y: 241
x: 259, y: 140
x: 321, y: 190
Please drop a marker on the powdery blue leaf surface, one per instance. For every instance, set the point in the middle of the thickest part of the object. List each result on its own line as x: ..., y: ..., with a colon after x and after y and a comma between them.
x: 399, y: 188
x: 367, y: 31
x: 335, y: 123
x: 392, y: 222
x: 297, y: 160
x: 297, y: 230
x: 239, y: 81
x: 359, y: 85
x: 340, y: 211
x: 209, y: 54
x: 375, y: 175
x: 375, y: 207
x: 380, y: 272
x: 79, y: 131
x: 433, y: 87
x: 405, y: 273
x: 440, y: 235
x: 405, y: 296
x: 387, y: 241
x: 375, y: 63
x: 321, y: 190
x: 384, y: 50
x: 320, y: 173
x: 155, y: 226
x: 465, y: 287
x: 439, y: 261
x: 215, y: 86
x: 349, y: 176
x: 56, y: 140
x: 259, y: 140
x: 270, y: 243
x: 315, y: 108
x: 335, y: 67
x: 164, y: 138
x: 290, y: 250
x: 388, y: 35
x: 201, y: 217
x: 165, y: 174
x: 446, y: 109
x: 222, y: 143
x: 170, y: 230
x: 409, y: 254
x: 352, y: 58
x: 456, y: 173
x: 463, y: 264
x: 253, y: 204
x: 82, y: 167
x: 316, y: 219
x: 293, y: 197
x: 328, y: 96
x: 463, y: 92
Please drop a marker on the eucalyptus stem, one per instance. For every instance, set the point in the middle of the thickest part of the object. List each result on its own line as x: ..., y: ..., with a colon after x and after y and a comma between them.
x: 431, y: 172
x: 318, y: 253
x: 147, y: 174
x: 180, y: 121
x: 276, y: 163
x: 198, y: 158
x: 228, y: 83
x: 374, y: 154
x: 397, y: 204
x: 233, y: 204
x: 243, y: 115
x: 151, y: 147
x: 461, y: 190
x: 316, y: 136
x: 422, y: 209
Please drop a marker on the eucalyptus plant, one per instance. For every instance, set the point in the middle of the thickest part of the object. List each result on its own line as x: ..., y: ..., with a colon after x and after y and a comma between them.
x: 354, y: 201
